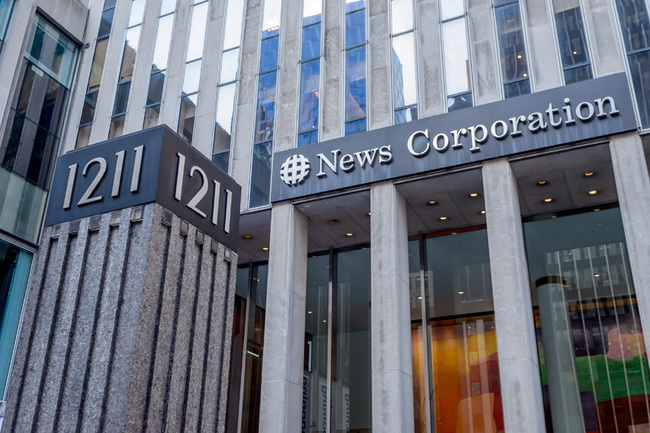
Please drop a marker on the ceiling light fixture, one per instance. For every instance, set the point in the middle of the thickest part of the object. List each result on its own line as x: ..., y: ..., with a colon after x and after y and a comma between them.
x: 593, y: 192
x: 265, y: 248
x: 247, y: 237
x: 482, y: 212
x: 548, y: 200
x: 588, y: 173
x: 443, y: 218
x: 473, y: 195
x: 349, y: 235
x: 432, y: 203
x: 333, y: 221
x: 542, y: 183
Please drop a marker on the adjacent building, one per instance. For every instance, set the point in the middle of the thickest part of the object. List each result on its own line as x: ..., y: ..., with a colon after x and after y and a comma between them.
x: 444, y: 222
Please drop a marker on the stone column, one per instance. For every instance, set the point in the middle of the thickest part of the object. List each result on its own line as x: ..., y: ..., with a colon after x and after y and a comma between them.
x: 392, y: 378
x: 544, y: 65
x: 521, y: 390
x: 603, y: 36
x: 380, y: 110
x: 484, y: 52
x: 331, y: 70
x: 633, y: 188
x: 284, y: 333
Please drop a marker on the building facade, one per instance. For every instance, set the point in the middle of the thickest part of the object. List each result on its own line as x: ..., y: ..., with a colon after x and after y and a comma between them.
x: 444, y: 203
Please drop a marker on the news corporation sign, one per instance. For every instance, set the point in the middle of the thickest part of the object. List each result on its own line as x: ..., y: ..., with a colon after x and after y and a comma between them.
x: 573, y: 113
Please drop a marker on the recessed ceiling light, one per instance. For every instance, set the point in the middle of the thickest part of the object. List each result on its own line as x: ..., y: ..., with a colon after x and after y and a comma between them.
x: 525, y: 74
x: 247, y: 237
x: 473, y: 195
x: 542, y: 183
x: 324, y: 321
x: 432, y: 202
x: 519, y: 56
x: 368, y: 213
x: 575, y: 52
x: 553, y: 216
x: 349, y: 235
x: 308, y: 312
x: 548, y: 200
x: 482, y: 212
x: 593, y: 192
x: 461, y: 293
x: 419, y: 297
x: 265, y: 248
x: 333, y: 221
x: 588, y: 173
x: 443, y: 218
x: 596, y: 210
x: 596, y: 275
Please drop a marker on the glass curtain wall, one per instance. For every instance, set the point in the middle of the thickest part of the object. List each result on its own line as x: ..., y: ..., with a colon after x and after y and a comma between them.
x: 6, y: 8
x: 96, y: 71
x: 308, y: 108
x: 129, y: 54
x: 247, y: 351
x: 572, y: 40
x: 227, y: 87
x: 355, y: 66
x: 14, y: 273
x: 192, y: 73
x: 31, y: 141
x: 512, y: 48
x: 453, y: 16
x: 159, y: 63
x: 337, y: 371
x: 635, y: 29
x: 593, y: 359
x: 403, y: 64
x: 456, y: 385
x: 265, y: 116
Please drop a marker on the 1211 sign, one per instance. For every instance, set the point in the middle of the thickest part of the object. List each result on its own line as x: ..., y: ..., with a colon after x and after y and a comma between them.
x: 91, y: 195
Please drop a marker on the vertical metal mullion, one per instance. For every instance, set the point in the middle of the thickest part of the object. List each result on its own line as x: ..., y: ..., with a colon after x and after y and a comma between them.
x: 242, y: 385
x: 330, y: 289
x: 426, y: 341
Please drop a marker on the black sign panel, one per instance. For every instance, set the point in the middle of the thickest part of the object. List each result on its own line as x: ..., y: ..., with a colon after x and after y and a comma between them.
x: 147, y: 166
x: 581, y: 111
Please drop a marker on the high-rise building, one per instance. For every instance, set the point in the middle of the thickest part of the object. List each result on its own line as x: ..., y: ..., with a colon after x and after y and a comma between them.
x: 445, y: 203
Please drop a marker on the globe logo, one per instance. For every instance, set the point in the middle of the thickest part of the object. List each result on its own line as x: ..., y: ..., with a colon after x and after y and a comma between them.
x: 294, y: 170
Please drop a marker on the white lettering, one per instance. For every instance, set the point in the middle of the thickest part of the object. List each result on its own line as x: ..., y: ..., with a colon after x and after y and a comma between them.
x: 456, y: 133
x: 331, y: 165
x: 474, y: 139
x: 600, y: 103
x: 445, y: 142
x: 366, y: 157
x: 551, y: 111
x: 515, y: 125
x: 567, y: 111
x: 347, y: 162
x: 385, y: 155
x: 504, y: 129
x: 536, y: 122
x: 409, y: 144
x: 590, y: 111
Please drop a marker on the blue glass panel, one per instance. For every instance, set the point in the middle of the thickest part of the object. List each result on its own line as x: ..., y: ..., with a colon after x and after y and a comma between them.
x: 105, y: 23
x: 355, y: 126
x: 406, y: 115
x: 269, y: 55
x: 261, y: 174
x: 265, y: 107
x: 352, y: 5
x: 459, y: 102
x: 221, y: 160
x: 355, y: 28
x: 636, y: 24
x: 311, y: 42
x: 312, y: 19
x: 640, y: 71
x: 571, y: 36
x: 307, y: 138
x: 511, y: 43
x: 355, y: 83
x: 516, y: 89
x: 577, y: 74
x: 309, y: 86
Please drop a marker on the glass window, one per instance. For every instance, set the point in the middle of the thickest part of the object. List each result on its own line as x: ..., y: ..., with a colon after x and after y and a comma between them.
x: 121, y: 98
x: 163, y: 42
x: 307, y: 138
x: 309, y: 85
x: 512, y: 49
x: 229, y: 66
x: 271, y: 18
x: 406, y: 115
x: 156, y: 82
x: 14, y: 273
x: 117, y: 126
x: 167, y: 7
x: 6, y: 8
x: 355, y: 28
x: 355, y: 126
x: 458, y: 347
x: 451, y: 9
x: 269, y: 54
x: 52, y: 51
x: 311, y: 11
x: 186, y: 118
x: 225, y: 111
x: 130, y: 51
x: 401, y: 16
x: 234, y: 22
x: 265, y: 107
x: 261, y: 174
x: 197, y: 32
x: 352, y: 5
x: 345, y: 401
x: 572, y: 40
x: 593, y: 359
x: 97, y: 67
x: 192, y: 77
x: 311, y: 42
x: 635, y: 25
x: 456, y: 56
x: 355, y: 83
x: 458, y: 102
x: 137, y: 12
x: 404, y: 76
x: 106, y: 23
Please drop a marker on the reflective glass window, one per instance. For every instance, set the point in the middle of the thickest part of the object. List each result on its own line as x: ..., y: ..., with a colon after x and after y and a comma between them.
x: 271, y: 18
x: 192, y: 77
x: 406, y: 115
x: 197, y: 32
x: 311, y: 11
x: 635, y: 25
x: 97, y: 67
x: 269, y: 54
x: 307, y: 138
x: 355, y: 126
x: 234, y: 23
x: 593, y: 359
x: 355, y: 83
x: 265, y: 107
x: 261, y: 174
x: 137, y: 12
x: 130, y: 51
x: 309, y: 85
x: 117, y: 126
x: 156, y: 82
x: 512, y: 49
x: 458, y: 102
x: 167, y: 7
x: 456, y: 56
x: 163, y: 43
x: 401, y: 15
x: 572, y: 40
x: 106, y: 23
x: 355, y: 28
x: 186, y: 117
x: 6, y: 8
x: 311, y: 42
x: 229, y: 66
x: 451, y: 9
x: 52, y: 51
x: 353, y: 5
x: 121, y: 98
x: 225, y: 110
x: 404, y: 76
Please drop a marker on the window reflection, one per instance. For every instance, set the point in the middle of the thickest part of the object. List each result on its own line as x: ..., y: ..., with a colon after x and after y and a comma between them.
x: 404, y: 76
x: 572, y: 40
x: 512, y: 50
x: 456, y: 56
x: 401, y: 16
x: 593, y: 364
x: 355, y: 83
